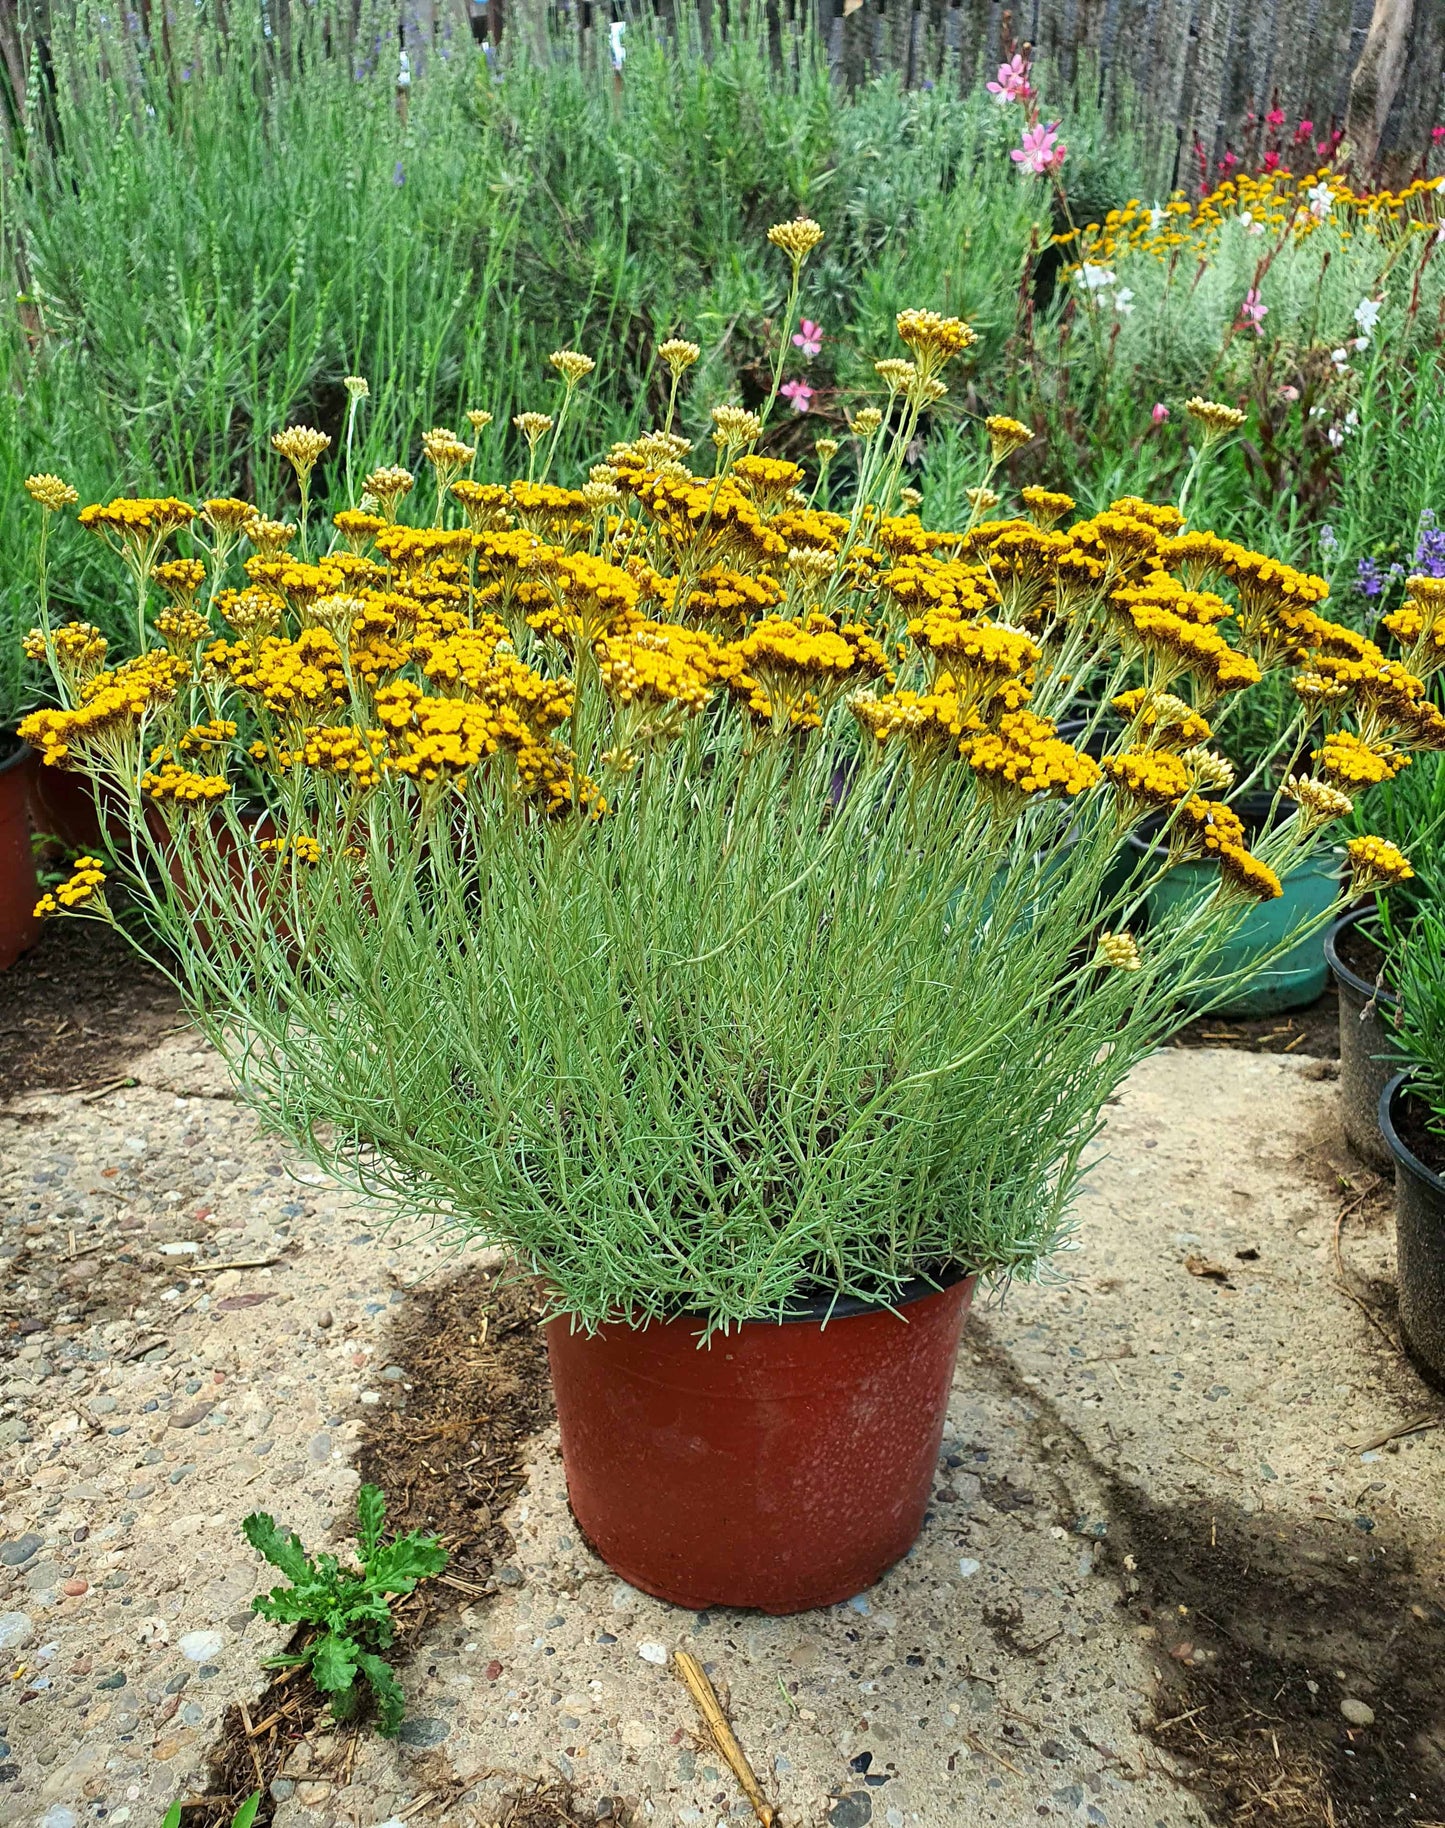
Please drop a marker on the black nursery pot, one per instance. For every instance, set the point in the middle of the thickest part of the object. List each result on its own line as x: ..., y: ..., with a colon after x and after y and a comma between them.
x: 1419, y: 1238
x: 1367, y: 1020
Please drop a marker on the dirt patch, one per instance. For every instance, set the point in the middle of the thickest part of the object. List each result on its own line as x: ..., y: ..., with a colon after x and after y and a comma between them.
x: 450, y: 1454
x: 1314, y: 1030
x: 77, y: 1008
x: 1261, y: 1626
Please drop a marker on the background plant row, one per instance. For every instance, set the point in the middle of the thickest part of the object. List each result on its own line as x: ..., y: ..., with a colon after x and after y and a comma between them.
x: 203, y: 236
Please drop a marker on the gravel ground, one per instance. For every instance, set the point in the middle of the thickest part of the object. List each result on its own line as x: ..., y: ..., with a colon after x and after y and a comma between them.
x: 1165, y: 1572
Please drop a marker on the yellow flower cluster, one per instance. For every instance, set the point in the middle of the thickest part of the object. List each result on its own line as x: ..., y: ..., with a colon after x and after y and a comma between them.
x: 1024, y: 756
x: 465, y: 657
x: 1280, y: 202
x: 170, y: 783
x: 111, y: 706
x: 85, y: 884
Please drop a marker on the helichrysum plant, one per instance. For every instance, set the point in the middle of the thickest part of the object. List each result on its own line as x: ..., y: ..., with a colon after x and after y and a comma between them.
x: 348, y: 1612
x: 713, y: 897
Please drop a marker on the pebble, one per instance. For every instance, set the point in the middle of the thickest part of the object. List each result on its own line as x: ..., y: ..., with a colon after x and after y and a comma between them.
x: 423, y: 1732
x: 852, y: 1811
x: 968, y: 1567
x: 191, y: 1414
x: 1358, y: 1713
x: 12, y: 1554
x: 102, y: 1405
x: 652, y: 1652
x: 16, y: 1629
x: 201, y: 1646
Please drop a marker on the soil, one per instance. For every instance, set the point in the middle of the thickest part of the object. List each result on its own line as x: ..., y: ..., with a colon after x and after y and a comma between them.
x: 450, y: 1459
x: 1313, y: 1031
x: 1418, y: 1128
x: 1262, y: 1627
x: 78, y: 1007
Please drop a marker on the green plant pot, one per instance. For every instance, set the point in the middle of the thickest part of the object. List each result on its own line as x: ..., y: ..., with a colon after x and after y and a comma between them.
x: 1295, y: 977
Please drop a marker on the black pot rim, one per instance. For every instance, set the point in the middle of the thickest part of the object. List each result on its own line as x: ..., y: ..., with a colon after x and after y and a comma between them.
x: 1374, y: 993
x: 18, y: 757
x: 1404, y: 1157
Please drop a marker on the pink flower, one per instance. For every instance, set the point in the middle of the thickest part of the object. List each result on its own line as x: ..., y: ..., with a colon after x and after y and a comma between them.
x: 1303, y: 132
x: 1271, y: 161
x: 808, y: 337
x: 1039, y: 153
x: 1160, y: 412
x: 798, y: 394
x: 1289, y: 394
x: 1013, y: 81
x: 1275, y: 117
x: 1437, y: 134
x: 1254, y: 311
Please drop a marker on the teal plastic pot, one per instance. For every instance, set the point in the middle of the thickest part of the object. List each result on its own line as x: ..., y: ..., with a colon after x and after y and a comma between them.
x: 1295, y: 977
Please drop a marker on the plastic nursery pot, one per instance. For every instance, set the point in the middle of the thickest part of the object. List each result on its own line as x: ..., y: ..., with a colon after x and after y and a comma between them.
x: 1367, y: 1018
x: 19, y: 891
x: 1295, y: 977
x: 785, y: 1465
x: 63, y: 802
x: 1419, y: 1228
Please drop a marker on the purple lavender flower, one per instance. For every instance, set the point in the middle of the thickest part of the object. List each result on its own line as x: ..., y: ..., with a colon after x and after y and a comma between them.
x: 1369, y: 579
x: 1430, y: 547
x: 398, y: 176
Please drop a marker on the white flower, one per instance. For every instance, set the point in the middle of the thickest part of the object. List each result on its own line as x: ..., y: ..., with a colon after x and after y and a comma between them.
x: 615, y: 44
x: 1251, y: 227
x: 1335, y: 436
x: 1095, y: 278
x: 1329, y: 539
x: 1321, y: 201
x: 1340, y: 357
x: 1158, y: 215
x: 1352, y: 419
x: 1367, y: 314
x: 1124, y: 300
x: 1361, y: 342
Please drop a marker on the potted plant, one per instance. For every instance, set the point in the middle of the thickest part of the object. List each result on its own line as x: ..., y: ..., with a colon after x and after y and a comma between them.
x: 688, y: 888
x: 19, y: 924
x: 1412, y: 1121
x: 1358, y: 960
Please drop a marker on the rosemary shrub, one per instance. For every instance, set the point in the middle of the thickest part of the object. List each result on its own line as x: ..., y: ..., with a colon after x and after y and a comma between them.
x: 684, y: 885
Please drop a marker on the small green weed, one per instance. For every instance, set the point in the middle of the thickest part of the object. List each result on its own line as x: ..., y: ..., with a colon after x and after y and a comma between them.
x: 350, y: 1612
x: 243, y: 1817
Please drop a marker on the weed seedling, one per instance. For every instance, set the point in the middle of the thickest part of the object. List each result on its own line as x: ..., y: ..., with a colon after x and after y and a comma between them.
x: 349, y: 1612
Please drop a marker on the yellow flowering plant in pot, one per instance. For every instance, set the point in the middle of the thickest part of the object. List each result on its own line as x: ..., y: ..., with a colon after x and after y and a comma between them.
x: 689, y: 888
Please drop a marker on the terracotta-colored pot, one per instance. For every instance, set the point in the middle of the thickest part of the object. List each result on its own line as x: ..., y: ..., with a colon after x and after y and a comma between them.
x: 64, y: 805
x: 19, y: 891
x: 782, y: 1466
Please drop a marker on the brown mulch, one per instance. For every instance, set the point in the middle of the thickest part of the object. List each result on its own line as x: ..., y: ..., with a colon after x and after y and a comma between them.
x: 77, y: 1007
x: 1313, y: 1031
x: 450, y: 1459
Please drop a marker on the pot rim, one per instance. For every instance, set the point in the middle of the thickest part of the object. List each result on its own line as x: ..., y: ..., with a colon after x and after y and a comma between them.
x: 1374, y: 993
x: 1404, y: 1157
x: 18, y: 757
x: 821, y: 1310
x: 1260, y: 802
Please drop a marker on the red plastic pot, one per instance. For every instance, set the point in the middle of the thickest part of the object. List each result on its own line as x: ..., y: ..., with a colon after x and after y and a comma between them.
x: 64, y: 803
x: 19, y: 891
x: 783, y: 1466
